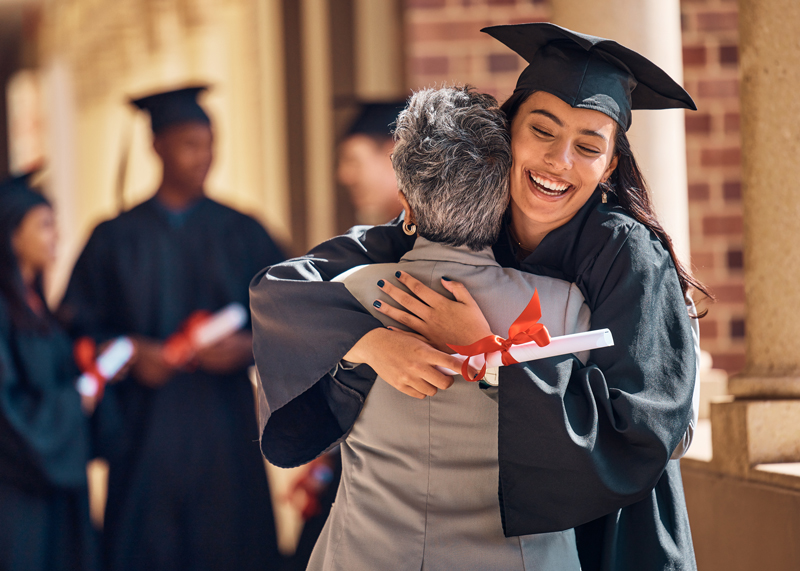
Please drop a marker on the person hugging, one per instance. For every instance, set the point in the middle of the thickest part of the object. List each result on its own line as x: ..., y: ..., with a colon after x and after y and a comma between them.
x: 419, y: 482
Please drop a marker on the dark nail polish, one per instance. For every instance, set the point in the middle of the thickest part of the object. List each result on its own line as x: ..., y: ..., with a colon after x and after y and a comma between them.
x: 446, y: 279
x: 397, y: 274
x: 380, y: 283
x: 376, y: 303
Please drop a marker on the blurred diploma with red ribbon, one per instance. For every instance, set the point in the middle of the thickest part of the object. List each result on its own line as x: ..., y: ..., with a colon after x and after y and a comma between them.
x: 528, y: 340
x: 96, y: 373
x: 203, y: 329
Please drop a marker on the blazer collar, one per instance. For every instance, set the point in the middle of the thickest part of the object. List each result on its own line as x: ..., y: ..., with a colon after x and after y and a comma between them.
x: 429, y: 251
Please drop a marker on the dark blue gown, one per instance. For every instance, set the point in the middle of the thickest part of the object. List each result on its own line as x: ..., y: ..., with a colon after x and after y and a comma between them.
x: 579, y: 446
x: 44, y: 447
x: 187, y: 485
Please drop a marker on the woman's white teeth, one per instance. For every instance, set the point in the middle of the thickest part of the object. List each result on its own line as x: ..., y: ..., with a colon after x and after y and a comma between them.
x: 545, y: 185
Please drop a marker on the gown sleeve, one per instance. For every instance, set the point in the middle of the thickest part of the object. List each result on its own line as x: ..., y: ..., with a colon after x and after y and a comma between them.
x: 579, y: 442
x: 303, y: 325
x: 43, y: 431
x: 85, y: 308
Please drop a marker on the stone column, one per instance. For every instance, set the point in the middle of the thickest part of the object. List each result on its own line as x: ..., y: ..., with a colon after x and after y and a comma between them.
x: 761, y: 425
x: 653, y: 28
x: 770, y: 67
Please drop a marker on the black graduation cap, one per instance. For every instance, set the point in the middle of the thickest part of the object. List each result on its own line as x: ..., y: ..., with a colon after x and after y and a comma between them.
x: 172, y: 107
x: 16, y: 199
x: 376, y: 119
x: 590, y: 72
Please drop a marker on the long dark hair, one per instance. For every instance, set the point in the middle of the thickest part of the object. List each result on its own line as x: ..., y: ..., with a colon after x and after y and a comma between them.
x: 628, y: 185
x: 12, y: 287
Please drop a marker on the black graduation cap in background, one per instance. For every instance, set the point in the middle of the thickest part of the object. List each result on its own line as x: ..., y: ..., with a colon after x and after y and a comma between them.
x: 172, y: 107
x: 376, y: 119
x: 16, y: 199
x: 590, y: 72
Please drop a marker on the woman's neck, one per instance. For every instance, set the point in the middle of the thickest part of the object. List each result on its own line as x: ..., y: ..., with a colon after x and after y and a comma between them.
x: 28, y: 273
x: 526, y: 234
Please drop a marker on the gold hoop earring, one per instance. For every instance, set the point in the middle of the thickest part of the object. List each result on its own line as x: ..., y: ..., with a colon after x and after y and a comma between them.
x: 409, y: 228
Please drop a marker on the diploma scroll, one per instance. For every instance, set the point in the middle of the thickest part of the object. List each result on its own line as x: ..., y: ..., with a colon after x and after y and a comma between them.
x: 563, y: 345
x: 108, y: 364
x: 203, y: 330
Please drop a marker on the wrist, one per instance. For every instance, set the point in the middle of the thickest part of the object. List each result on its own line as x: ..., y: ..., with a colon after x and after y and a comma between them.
x: 364, y: 348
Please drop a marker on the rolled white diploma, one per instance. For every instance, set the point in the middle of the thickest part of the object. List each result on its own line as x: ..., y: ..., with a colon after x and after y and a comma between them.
x: 109, y: 363
x: 223, y: 323
x: 563, y: 345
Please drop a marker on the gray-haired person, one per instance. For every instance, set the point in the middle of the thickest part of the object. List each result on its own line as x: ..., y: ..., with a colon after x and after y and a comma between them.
x: 419, y: 484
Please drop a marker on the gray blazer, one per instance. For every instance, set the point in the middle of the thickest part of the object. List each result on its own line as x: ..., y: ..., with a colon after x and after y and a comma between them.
x: 420, y: 477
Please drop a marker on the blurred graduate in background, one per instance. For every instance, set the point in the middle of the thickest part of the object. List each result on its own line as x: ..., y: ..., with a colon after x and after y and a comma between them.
x: 365, y: 164
x: 44, y: 433
x: 365, y: 169
x: 187, y: 484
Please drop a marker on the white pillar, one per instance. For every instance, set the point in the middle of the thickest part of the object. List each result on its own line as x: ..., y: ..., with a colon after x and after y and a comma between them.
x: 652, y: 28
x: 318, y: 120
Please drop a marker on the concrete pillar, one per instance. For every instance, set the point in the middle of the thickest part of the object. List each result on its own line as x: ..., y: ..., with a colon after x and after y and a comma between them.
x: 651, y: 27
x: 770, y: 64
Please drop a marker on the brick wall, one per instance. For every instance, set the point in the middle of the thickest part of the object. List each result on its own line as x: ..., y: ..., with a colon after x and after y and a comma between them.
x: 711, y: 74
x: 444, y: 45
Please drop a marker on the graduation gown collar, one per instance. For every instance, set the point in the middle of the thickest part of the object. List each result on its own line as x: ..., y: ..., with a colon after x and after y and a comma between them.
x: 565, y: 252
x: 425, y: 250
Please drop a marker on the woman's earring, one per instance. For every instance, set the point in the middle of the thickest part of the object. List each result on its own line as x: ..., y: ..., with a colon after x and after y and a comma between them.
x: 604, y: 192
x: 409, y: 228
x: 604, y: 197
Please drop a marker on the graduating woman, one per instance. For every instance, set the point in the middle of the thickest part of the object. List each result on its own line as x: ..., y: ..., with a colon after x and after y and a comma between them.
x: 44, y: 440
x: 584, y: 446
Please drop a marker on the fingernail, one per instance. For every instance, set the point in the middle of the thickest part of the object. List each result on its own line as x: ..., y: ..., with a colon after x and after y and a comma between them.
x: 376, y: 303
x: 380, y: 283
x: 445, y: 278
x: 397, y: 274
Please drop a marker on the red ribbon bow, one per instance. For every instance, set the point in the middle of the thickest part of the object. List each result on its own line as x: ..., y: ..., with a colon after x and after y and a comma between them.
x: 526, y: 328
x: 179, y: 348
x: 85, y: 353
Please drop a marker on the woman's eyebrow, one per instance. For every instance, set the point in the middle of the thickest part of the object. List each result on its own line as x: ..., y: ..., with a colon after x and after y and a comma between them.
x: 560, y: 123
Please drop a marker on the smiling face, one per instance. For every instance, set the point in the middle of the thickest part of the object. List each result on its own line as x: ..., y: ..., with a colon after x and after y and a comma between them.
x: 560, y: 155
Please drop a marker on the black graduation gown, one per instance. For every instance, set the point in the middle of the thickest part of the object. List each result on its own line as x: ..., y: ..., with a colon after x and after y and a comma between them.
x: 584, y: 447
x: 187, y: 485
x: 44, y: 447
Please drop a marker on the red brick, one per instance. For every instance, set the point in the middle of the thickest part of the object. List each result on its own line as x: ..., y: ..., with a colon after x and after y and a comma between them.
x: 499, y: 63
x: 430, y: 65
x: 737, y: 326
x: 698, y: 191
x: 732, y: 191
x: 717, y: 21
x: 732, y: 122
x: 694, y: 56
x: 730, y: 225
x: 703, y: 260
x: 685, y: 22
x: 731, y: 362
x: 502, y: 2
x: 729, y: 293
x: 423, y: 31
x: 729, y: 55
x: 425, y: 3
x: 735, y: 259
x: 708, y: 329
x: 698, y: 123
x: 719, y: 88
x: 730, y: 156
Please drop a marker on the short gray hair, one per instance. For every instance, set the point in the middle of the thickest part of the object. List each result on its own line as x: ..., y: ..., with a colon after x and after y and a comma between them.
x: 452, y: 160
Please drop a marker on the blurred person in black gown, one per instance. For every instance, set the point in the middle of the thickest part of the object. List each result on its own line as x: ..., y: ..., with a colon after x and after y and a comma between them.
x: 187, y: 485
x: 365, y: 167
x: 44, y: 434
